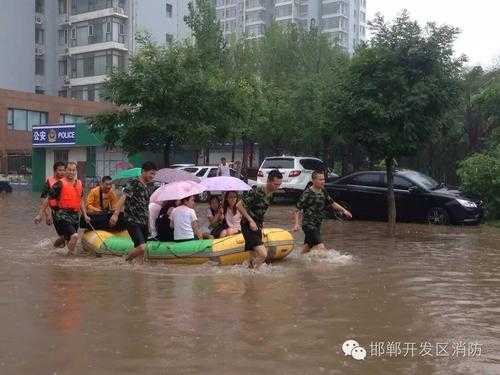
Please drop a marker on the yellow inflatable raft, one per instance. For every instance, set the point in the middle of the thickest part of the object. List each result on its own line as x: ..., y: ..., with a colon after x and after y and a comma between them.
x: 224, y: 251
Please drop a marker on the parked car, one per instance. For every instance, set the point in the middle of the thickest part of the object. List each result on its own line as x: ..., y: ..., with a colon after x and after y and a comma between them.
x: 205, y: 171
x: 296, y: 170
x: 181, y: 165
x: 418, y: 197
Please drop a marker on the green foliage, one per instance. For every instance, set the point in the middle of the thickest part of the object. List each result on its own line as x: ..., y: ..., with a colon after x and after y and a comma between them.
x: 480, y: 174
x: 400, y: 85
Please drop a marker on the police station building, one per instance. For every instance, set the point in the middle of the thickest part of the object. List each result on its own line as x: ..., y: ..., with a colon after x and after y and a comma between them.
x: 37, y: 130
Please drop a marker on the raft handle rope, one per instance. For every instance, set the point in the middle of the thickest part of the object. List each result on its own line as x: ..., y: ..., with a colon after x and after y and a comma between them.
x: 98, y: 236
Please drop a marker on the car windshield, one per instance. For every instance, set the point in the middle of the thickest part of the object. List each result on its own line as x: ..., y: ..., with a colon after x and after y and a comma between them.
x: 421, y: 179
x: 278, y: 163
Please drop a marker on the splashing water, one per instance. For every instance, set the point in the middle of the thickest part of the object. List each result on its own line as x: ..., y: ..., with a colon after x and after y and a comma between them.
x: 45, y: 243
x: 328, y: 256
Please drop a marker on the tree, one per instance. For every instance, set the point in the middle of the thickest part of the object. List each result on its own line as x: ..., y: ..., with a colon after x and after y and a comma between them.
x: 397, y: 90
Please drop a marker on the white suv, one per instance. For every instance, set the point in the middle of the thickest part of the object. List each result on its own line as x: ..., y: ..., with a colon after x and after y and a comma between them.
x: 296, y: 171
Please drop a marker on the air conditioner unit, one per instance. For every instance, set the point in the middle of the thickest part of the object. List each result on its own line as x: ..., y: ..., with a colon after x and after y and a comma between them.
x: 39, y: 51
x: 66, y: 79
x: 38, y: 20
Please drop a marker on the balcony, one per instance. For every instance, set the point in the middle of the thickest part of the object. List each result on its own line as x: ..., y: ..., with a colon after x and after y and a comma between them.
x: 94, y: 80
x: 96, y: 47
x: 108, y: 12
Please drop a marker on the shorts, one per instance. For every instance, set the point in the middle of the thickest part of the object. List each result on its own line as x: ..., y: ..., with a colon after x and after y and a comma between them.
x: 65, y: 229
x: 312, y: 236
x: 57, y: 226
x: 252, y: 238
x: 138, y: 233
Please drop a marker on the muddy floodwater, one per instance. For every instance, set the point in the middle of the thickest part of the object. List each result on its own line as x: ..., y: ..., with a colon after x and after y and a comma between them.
x: 424, y: 302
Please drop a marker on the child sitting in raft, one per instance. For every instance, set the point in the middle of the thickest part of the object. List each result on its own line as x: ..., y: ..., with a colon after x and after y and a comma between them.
x: 164, y: 231
x: 215, y: 216
x: 184, y: 221
x: 232, y: 216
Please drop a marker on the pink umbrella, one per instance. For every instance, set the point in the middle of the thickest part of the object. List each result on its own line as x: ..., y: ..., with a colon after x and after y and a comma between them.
x: 169, y: 175
x: 176, y: 190
x: 224, y: 183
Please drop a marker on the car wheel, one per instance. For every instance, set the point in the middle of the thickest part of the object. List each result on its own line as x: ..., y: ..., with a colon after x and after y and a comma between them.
x: 438, y: 216
x: 203, y: 197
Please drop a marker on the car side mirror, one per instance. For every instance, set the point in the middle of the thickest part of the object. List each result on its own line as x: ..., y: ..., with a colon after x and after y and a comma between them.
x: 413, y: 189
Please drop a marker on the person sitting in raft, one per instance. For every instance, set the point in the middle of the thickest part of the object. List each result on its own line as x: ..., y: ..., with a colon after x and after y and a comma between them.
x: 232, y: 217
x: 164, y: 232
x: 215, y: 216
x: 68, y: 192
x: 101, y: 204
x: 184, y: 221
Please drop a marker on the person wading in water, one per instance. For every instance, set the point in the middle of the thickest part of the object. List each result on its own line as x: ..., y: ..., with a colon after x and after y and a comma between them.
x: 68, y: 192
x: 312, y: 204
x: 253, y: 207
x: 59, y: 169
x: 136, y: 201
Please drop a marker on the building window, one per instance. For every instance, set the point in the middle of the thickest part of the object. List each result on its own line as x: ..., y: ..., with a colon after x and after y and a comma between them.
x: 284, y: 11
x: 169, y: 10
x: 39, y: 6
x: 63, y: 68
x: 39, y: 90
x: 63, y: 37
x: 39, y: 35
x: 39, y: 66
x: 61, y: 155
x: 65, y: 118
x: 20, y: 119
x: 91, y: 30
x: 122, y: 28
x: 63, y: 8
x: 169, y: 39
x: 10, y: 118
x: 63, y: 93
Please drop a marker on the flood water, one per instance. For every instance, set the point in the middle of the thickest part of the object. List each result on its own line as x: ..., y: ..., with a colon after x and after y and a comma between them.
x: 432, y: 292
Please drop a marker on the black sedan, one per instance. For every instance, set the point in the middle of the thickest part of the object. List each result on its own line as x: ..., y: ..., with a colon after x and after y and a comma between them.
x: 418, y: 198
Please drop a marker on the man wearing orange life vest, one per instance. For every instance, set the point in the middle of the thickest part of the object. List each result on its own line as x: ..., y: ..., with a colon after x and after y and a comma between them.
x: 59, y: 173
x: 68, y: 192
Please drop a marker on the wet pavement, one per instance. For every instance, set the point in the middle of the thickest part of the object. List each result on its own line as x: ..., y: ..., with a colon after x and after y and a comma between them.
x: 423, y: 302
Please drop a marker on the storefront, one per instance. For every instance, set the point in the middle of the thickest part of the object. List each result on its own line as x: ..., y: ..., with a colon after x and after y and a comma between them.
x: 75, y: 142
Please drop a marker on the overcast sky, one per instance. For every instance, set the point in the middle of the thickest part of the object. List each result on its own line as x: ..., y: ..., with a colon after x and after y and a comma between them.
x: 478, y: 20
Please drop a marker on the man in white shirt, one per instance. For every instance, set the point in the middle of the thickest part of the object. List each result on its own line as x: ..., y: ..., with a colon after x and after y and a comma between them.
x: 185, y: 222
x: 224, y: 169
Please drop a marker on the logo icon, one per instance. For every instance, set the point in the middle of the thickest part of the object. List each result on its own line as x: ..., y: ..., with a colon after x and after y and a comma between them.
x: 52, y: 136
x: 351, y: 347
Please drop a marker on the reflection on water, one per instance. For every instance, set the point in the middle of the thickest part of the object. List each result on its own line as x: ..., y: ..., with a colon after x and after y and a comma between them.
x: 81, y: 315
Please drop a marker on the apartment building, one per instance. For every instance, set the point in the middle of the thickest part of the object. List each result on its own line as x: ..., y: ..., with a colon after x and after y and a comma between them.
x: 344, y: 21
x: 73, y: 44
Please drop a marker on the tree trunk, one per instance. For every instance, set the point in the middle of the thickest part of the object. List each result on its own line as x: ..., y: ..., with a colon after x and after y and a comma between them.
x: 391, y: 203
x: 233, y: 148
x: 244, y: 162
x: 207, y: 155
x: 250, y: 161
x: 166, y: 155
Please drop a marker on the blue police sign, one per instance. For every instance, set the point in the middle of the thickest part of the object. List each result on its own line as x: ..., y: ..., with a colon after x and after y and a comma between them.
x: 54, y: 135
